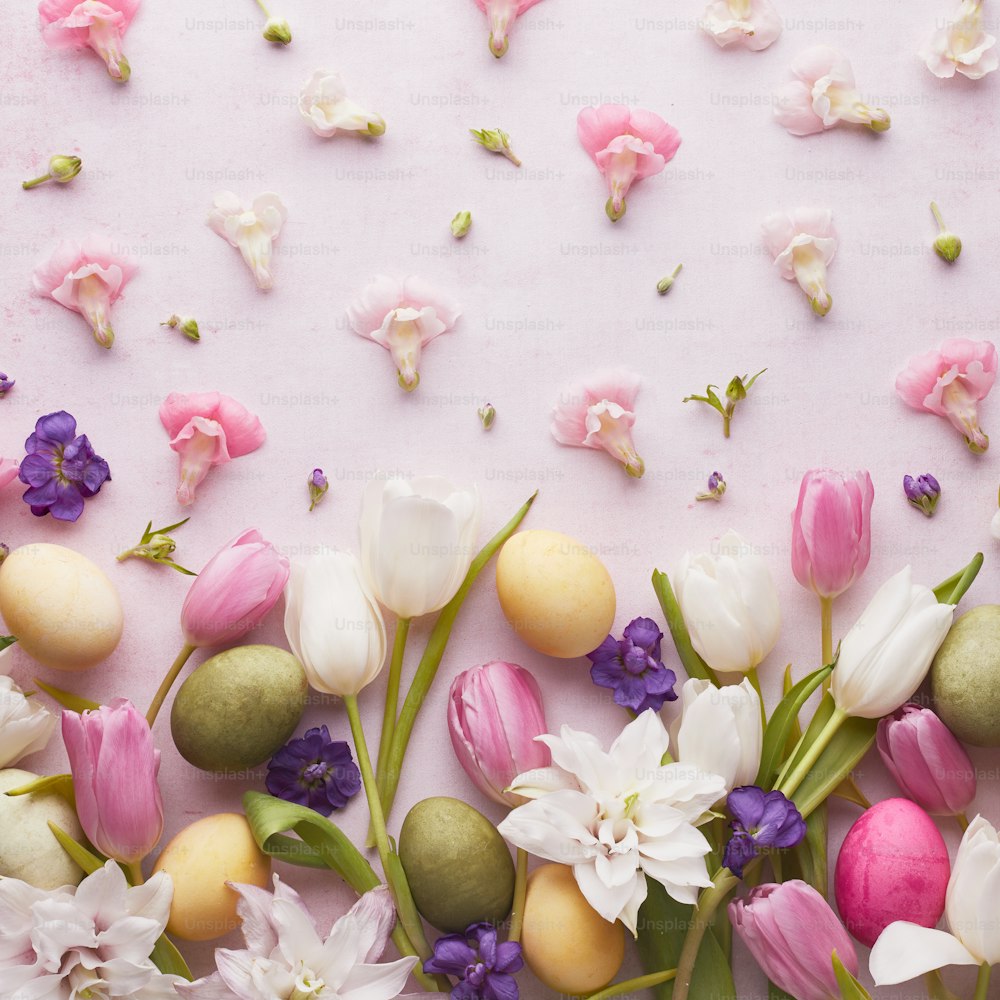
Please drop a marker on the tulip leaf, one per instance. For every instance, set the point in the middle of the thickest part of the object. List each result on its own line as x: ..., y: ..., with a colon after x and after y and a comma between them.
x: 81, y: 856
x: 67, y: 699
x: 693, y: 664
x: 60, y: 784
x: 7, y: 640
x: 848, y: 791
x: 168, y: 959
x: 781, y: 725
x: 776, y: 993
x: 850, y: 988
x: 808, y: 859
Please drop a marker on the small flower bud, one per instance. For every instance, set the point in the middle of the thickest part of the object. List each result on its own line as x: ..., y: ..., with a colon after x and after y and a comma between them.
x: 496, y: 141
x: 947, y: 245
x: 64, y: 168
x: 376, y: 127
x: 665, y: 284
x: 461, y: 224
x: 923, y: 492
x: 716, y: 488
x: 6, y: 384
x: 736, y: 390
x: 188, y: 325
x: 487, y: 414
x: 318, y: 487
x: 277, y: 30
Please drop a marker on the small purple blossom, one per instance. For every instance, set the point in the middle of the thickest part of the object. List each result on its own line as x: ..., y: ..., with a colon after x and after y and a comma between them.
x: 314, y: 771
x: 6, y: 384
x: 760, y: 819
x: 61, y: 468
x: 716, y: 487
x: 923, y: 492
x: 318, y: 485
x: 631, y: 667
x: 485, y: 969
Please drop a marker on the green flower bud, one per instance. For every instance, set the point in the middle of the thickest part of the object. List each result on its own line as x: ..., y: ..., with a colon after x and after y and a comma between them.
x: 487, y: 414
x: 277, y: 30
x: 64, y: 168
x: 496, y: 141
x: 461, y: 224
x: 665, y: 284
x: 947, y: 245
x: 188, y: 325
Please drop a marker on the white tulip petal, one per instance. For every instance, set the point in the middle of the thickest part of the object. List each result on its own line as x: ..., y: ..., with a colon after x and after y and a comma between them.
x: 904, y: 951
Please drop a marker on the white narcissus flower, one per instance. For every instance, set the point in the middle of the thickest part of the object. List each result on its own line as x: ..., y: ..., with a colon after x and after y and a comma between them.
x: 617, y: 816
x: 25, y: 724
x: 286, y: 955
x: 905, y: 950
x: 754, y: 24
x: 729, y: 604
x: 418, y: 538
x: 324, y: 104
x: 887, y: 653
x: 802, y: 243
x: 961, y: 46
x: 251, y: 230
x: 720, y: 730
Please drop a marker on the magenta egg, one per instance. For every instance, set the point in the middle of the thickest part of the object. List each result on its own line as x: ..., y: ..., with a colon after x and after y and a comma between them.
x: 893, y: 865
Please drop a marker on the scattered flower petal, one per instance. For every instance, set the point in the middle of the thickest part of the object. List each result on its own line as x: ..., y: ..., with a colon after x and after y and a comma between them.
x: 802, y: 243
x: 324, y: 104
x: 99, y: 24
x: 754, y: 24
x: 251, y: 231
x: 961, y: 45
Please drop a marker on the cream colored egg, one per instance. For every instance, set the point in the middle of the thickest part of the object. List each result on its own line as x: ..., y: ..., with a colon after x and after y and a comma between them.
x: 64, y: 611
x: 556, y: 594
x: 570, y: 947
x: 28, y: 849
x: 200, y: 860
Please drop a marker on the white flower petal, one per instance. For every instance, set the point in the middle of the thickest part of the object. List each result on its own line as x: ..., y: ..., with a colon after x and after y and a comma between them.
x: 904, y: 951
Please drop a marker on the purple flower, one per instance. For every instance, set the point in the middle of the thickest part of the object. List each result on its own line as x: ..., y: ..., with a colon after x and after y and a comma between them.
x: 760, y: 819
x: 716, y: 487
x: 318, y: 485
x: 6, y: 384
x: 314, y: 771
x: 485, y: 969
x: 61, y: 468
x: 631, y: 667
x: 923, y: 492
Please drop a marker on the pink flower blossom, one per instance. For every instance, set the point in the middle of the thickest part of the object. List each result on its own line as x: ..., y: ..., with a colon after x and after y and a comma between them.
x: 950, y: 381
x: 251, y: 230
x: 599, y: 414
x: 961, y: 46
x: 403, y: 316
x: 99, y: 24
x: 207, y: 429
x: 754, y: 24
x: 802, y: 243
x: 823, y: 95
x: 87, y: 278
x: 8, y: 471
x: 627, y: 144
x: 502, y: 14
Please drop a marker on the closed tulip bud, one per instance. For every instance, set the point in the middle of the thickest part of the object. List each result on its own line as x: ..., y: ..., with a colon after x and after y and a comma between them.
x: 494, y: 714
x: 333, y: 624
x: 235, y: 590
x: 831, y: 530
x: 720, y: 730
x: 927, y: 761
x: 729, y: 604
x: 114, y: 765
x: 418, y: 538
x: 792, y: 932
x: 886, y: 655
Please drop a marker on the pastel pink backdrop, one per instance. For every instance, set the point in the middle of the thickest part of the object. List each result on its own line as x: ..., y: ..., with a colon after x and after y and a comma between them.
x: 550, y: 290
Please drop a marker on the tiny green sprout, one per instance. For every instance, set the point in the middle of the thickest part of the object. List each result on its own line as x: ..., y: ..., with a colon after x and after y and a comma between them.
x: 735, y: 392
x: 157, y: 546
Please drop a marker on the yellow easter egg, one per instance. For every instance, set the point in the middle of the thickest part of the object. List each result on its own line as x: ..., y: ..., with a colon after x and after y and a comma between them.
x: 200, y: 860
x: 556, y: 594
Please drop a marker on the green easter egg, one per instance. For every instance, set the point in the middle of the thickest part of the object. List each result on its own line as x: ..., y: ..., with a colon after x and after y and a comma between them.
x: 238, y: 708
x: 459, y: 868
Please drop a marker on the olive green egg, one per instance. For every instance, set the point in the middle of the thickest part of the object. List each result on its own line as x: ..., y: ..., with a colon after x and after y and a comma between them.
x: 458, y: 866
x: 965, y: 677
x: 239, y: 707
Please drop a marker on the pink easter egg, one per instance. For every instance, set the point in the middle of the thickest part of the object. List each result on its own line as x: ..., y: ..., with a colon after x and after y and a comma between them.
x: 893, y: 865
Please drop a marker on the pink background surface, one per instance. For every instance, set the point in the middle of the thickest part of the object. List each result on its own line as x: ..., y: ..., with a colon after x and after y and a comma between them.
x: 550, y: 291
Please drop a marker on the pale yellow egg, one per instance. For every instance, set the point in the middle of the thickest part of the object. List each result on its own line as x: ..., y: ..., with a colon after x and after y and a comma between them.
x: 200, y: 860
x: 63, y: 609
x: 556, y: 594
x: 570, y: 947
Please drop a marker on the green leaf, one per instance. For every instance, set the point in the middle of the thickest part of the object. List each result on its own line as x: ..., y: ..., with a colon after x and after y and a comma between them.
x: 776, y: 993
x: 808, y: 859
x: 7, y: 640
x: 781, y: 724
x: 80, y: 855
x: 67, y: 699
x: 850, y: 988
x: 693, y: 664
x: 168, y: 959
x: 59, y: 784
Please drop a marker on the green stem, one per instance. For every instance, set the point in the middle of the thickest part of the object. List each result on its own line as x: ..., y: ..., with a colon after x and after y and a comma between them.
x: 754, y: 679
x: 260, y: 3
x: 433, y: 654
x: 982, y: 982
x: 727, y: 417
x: 168, y: 682
x: 936, y: 989
x: 962, y: 820
x: 709, y: 901
x: 134, y: 870
x: 27, y: 185
x: 692, y: 663
x: 826, y: 628
x: 408, y: 915
x: 520, y: 892
x: 965, y: 580
x: 634, y: 985
x: 791, y: 782
x: 937, y: 216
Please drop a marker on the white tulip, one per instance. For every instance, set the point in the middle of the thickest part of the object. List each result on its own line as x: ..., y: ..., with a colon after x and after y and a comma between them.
x: 25, y: 724
x: 333, y: 624
x: 886, y: 655
x: 905, y: 950
x: 720, y: 730
x: 729, y: 604
x: 417, y: 541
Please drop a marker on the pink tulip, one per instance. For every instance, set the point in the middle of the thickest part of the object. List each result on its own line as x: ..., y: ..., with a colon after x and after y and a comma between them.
x: 87, y: 278
x: 235, y: 590
x: 831, y: 530
x: 792, y: 932
x: 502, y: 14
x: 627, y: 144
x: 494, y: 714
x: 8, y: 471
x: 927, y: 761
x: 950, y: 381
x: 207, y: 429
x: 99, y: 24
x: 114, y: 765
